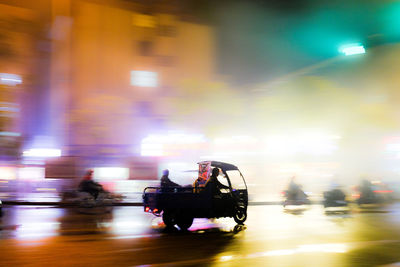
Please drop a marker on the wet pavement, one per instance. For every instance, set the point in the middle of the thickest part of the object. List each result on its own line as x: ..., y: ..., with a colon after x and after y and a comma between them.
x: 272, y: 236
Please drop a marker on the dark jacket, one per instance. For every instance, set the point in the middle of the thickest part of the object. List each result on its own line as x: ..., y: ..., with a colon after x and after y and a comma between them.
x: 166, y: 182
x: 214, y: 186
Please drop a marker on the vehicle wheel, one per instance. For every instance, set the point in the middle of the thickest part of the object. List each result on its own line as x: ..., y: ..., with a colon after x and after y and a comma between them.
x: 240, y: 216
x: 168, y: 218
x: 184, y: 222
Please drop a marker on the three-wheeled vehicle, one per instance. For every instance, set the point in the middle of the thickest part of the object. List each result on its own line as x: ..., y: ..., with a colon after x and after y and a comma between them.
x: 180, y: 205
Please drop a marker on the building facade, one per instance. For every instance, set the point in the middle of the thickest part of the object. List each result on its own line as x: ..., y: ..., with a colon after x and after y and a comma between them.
x: 115, y: 66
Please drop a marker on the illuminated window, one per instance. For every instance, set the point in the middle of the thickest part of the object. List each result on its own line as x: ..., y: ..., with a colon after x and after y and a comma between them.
x: 144, y: 20
x: 144, y: 78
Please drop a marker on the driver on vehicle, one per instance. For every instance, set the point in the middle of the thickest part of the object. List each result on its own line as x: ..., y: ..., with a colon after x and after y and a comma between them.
x: 213, y: 185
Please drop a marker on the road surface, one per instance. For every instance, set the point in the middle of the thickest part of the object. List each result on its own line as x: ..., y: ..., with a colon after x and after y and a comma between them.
x: 272, y: 236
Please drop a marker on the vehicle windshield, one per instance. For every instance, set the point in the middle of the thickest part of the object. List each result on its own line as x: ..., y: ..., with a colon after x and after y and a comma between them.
x: 237, y: 181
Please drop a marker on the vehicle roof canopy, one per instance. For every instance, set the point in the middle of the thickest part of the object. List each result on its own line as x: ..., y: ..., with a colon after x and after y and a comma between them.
x: 222, y: 165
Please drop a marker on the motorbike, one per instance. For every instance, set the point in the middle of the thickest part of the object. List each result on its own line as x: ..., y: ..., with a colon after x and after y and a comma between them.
x: 295, y: 198
x: 87, y: 203
x: 373, y: 193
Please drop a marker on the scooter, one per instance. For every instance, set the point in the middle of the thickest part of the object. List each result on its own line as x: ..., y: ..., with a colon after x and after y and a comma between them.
x: 334, y: 198
x: 295, y: 198
x: 87, y: 203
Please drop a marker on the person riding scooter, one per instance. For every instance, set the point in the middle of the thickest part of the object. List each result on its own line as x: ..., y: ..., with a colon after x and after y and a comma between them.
x: 294, y: 190
x: 88, y: 185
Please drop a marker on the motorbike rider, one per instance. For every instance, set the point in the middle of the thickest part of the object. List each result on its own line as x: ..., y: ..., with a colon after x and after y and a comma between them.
x: 366, y: 189
x: 293, y: 189
x: 88, y: 185
x: 335, y: 193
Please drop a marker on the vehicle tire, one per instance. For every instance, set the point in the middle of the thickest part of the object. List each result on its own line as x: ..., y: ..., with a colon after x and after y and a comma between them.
x: 168, y: 218
x: 184, y: 222
x: 240, y: 215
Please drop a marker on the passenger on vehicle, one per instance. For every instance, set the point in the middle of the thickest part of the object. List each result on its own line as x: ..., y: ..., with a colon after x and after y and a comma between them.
x: 199, y: 184
x: 166, y: 183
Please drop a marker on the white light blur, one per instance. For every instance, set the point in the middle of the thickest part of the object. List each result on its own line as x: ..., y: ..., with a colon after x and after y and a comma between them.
x: 42, y: 152
x: 10, y: 134
x: 324, y: 248
x: 8, y: 173
x: 154, y: 144
x: 31, y: 173
x: 352, y: 49
x: 395, y: 147
x: 10, y: 79
x: 235, y: 139
x: 309, y: 143
x: 111, y: 173
x: 37, y: 230
x: 151, y: 150
x: 327, y: 248
x: 173, y: 138
x: 144, y: 78
x: 226, y: 258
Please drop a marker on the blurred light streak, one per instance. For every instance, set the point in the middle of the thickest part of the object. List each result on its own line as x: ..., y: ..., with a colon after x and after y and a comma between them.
x: 144, y: 78
x: 325, y: 248
x: 37, y: 230
x: 31, y: 173
x: 157, y: 144
x: 14, y: 134
x: 8, y: 173
x: 226, y: 258
x: 42, y: 153
x: 149, y: 150
x: 134, y: 236
x: 12, y: 109
x: 235, y: 139
x: 111, y: 173
x: 309, y: 143
x: 46, y: 189
x: 352, y: 49
x: 395, y: 147
x: 10, y: 79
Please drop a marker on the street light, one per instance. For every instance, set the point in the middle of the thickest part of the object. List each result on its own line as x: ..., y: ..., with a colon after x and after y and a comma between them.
x: 352, y: 49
